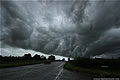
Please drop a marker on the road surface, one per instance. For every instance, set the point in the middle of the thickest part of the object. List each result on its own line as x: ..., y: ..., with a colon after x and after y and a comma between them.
x: 53, y: 71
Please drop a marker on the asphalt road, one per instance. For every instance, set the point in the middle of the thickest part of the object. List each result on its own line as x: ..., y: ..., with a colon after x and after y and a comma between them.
x: 53, y: 71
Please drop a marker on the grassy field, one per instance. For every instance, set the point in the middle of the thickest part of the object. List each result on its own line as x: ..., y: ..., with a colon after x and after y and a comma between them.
x: 94, y: 67
x: 6, y: 64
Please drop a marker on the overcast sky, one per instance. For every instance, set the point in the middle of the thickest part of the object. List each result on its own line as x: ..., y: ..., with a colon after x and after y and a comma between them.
x: 75, y: 28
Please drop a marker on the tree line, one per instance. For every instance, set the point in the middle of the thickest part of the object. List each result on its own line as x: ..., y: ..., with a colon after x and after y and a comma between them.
x: 26, y: 57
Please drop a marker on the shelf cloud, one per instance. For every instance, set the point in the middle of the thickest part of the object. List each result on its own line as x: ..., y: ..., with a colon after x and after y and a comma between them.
x: 74, y: 28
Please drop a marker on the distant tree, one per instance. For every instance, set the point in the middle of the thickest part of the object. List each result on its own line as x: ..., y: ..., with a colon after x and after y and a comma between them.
x: 43, y: 57
x: 36, y: 56
x: 63, y: 59
x: 68, y: 59
x: 1, y: 57
x: 51, y: 57
x: 27, y: 56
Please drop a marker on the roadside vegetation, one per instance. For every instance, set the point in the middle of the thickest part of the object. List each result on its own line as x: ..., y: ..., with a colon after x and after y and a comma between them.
x: 4, y: 64
x: 98, y: 67
x: 27, y: 59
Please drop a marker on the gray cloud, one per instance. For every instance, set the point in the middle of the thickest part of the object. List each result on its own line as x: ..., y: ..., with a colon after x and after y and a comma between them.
x: 69, y: 28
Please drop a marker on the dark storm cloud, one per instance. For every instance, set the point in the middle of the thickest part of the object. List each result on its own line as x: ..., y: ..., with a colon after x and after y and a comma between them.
x: 69, y: 28
x: 105, y: 17
x: 14, y: 23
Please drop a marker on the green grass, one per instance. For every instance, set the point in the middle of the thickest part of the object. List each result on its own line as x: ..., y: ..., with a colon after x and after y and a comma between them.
x: 96, y: 71
x: 7, y: 64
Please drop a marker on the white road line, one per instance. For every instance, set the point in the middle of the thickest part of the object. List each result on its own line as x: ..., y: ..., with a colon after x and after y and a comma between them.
x: 58, y: 74
x: 61, y: 65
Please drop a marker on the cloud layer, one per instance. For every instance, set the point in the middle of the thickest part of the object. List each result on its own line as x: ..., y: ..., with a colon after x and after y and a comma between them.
x: 70, y: 28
